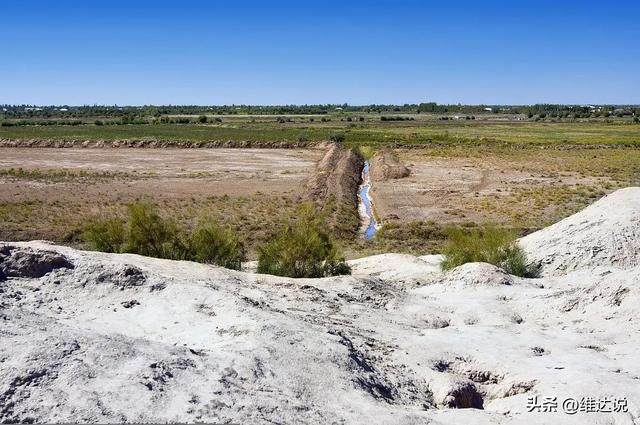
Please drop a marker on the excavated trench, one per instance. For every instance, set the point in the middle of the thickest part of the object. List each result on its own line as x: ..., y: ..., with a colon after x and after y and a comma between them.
x: 365, y: 205
x: 342, y: 181
x: 334, y: 187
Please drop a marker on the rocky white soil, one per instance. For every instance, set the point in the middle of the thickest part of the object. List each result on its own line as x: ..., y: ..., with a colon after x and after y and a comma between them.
x: 94, y: 337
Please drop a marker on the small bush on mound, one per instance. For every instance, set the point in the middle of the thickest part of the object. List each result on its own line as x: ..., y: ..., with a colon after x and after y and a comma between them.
x: 145, y: 232
x: 488, y: 245
x: 303, y: 249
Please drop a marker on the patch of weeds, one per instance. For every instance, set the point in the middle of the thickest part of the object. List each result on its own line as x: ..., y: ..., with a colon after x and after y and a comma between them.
x: 211, y: 243
x: 367, y: 152
x: 106, y: 235
x: 304, y: 248
x: 145, y: 232
x: 57, y: 175
x: 488, y: 245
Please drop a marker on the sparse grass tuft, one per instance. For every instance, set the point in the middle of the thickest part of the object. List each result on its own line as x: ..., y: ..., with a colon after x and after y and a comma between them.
x: 367, y: 152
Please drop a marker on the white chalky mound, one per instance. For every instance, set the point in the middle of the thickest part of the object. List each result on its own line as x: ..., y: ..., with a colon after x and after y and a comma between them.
x: 92, y: 337
x: 477, y: 274
x: 605, y: 233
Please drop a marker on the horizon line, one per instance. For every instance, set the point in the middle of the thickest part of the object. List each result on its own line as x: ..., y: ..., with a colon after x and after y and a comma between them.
x: 266, y: 105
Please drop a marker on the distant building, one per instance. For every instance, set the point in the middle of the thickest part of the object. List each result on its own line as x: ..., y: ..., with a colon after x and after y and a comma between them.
x: 488, y: 109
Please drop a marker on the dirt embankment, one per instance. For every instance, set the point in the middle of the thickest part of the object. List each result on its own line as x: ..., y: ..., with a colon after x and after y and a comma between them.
x: 334, y: 186
x: 386, y: 165
x: 50, y: 143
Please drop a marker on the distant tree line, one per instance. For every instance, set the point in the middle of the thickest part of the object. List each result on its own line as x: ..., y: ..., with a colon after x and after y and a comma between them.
x: 152, y: 111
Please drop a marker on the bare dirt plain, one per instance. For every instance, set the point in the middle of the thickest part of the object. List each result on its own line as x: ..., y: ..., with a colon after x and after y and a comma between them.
x: 53, y: 193
x: 58, y: 190
x: 457, y: 189
x: 236, y: 167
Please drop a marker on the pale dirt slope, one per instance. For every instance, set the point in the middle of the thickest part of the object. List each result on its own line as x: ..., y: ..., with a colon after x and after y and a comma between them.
x: 97, y: 337
x: 605, y: 233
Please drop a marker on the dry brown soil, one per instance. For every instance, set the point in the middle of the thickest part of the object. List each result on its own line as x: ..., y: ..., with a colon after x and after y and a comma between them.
x: 248, y: 188
x: 491, y: 189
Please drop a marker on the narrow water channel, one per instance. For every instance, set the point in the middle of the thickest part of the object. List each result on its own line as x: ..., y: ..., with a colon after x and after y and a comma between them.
x: 366, y: 213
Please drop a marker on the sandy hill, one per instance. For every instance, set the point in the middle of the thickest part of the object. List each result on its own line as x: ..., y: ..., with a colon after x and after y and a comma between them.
x: 93, y: 337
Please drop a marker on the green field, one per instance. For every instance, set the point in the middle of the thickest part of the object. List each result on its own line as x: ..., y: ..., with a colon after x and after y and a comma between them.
x: 372, y: 131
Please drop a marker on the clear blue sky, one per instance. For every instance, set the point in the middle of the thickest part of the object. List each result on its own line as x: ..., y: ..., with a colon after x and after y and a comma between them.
x: 282, y: 52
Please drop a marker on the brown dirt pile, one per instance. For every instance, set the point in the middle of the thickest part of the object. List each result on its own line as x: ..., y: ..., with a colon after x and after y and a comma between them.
x: 334, y: 185
x: 386, y: 166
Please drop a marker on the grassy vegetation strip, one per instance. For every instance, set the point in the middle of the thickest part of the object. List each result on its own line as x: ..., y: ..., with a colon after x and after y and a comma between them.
x: 64, y: 219
x: 303, y: 248
x: 298, y: 133
x: 146, y: 232
x: 83, y: 175
x: 63, y: 174
x: 151, y: 144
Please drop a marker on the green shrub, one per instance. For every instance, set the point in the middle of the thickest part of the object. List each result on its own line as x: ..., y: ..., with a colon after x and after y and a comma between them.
x: 303, y: 249
x: 151, y: 235
x: 202, y: 119
x: 489, y: 245
x: 145, y: 232
x: 213, y: 244
x: 337, y: 137
x: 106, y: 235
